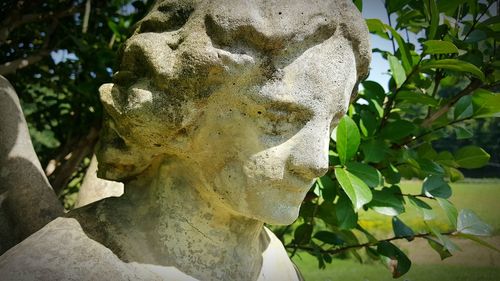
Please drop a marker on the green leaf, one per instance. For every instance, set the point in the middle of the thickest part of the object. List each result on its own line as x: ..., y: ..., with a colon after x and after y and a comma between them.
x: 397, y: 70
x: 471, y: 157
x: 395, y: 5
x: 463, y: 132
x: 45, y: 138
x: 439, y: 248
x: 328, y: 237
x: 401, y: 229
x: 355, y: 188
x: 378, y: 27
x: 398, y: 262
x: 469, y: 223
x: 328, y: 188
x: 463, y: 108
x: 370, y: 175
x: 423, y: 208
x: 443, y: 240
x: 374, y: 150
x: 450, y: 210
x: 359, y: 4
x: 476, y: 36
x: 426, y: 150
x: 348, y: 139
x: 397, y: 130
x: 414, y: 97
x: 387, y: 201
x: 406, y: 57
x: 346, y: 216
x: 368, y: 123
x: 391, y: 174
x: 430, y: 167
x: 454, y: 65
x: 455, y: 175
x: 325, y: 211
x: 373, y: 90
x: 434, y: 47
x: 446, y: 158
x: 433, y: 15
x: 302, y: 234
x: 436, y: 186
x: 485, y: 104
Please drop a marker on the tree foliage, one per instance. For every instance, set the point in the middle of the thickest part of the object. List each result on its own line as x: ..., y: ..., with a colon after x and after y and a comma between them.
x: 57, y: 54
x: 442, y: 82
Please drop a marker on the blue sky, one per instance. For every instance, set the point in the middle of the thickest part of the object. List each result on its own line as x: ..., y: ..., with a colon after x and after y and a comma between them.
x: 379, y: 66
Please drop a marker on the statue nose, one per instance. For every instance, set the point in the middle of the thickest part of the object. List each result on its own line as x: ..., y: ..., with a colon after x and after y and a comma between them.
x: 309, y: 157
x: 148, y: 54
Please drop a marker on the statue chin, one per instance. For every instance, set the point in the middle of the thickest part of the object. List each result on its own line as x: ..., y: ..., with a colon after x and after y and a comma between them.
x: 218, y: 120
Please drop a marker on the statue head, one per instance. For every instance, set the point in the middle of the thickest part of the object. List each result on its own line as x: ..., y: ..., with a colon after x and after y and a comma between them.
x: 242, y: 95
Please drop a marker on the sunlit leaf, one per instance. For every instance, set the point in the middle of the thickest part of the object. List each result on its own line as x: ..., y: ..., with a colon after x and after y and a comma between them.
x: 486, y: 104
x: 454, y: 65
x: 434, y: 47
x: 367, y: 173
x: 378, y: 27
x: 450, y: 210
x: 348, y: 139
x: 397, y: 70
x: 469, y: 223
x: 355, y: 188
x: 423, y: 208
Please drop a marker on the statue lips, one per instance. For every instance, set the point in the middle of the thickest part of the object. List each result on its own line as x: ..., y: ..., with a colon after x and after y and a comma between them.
x: 295, y: 184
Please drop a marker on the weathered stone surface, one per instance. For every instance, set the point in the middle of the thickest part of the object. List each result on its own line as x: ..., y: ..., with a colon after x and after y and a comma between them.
x: 27, y: 202
x: 218, y: 120
x: 94, y: 189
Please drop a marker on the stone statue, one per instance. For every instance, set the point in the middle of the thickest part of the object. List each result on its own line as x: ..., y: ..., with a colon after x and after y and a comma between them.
x: 217, y: 121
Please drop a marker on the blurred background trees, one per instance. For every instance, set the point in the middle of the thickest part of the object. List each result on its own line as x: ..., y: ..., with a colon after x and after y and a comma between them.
x: 57, y: 54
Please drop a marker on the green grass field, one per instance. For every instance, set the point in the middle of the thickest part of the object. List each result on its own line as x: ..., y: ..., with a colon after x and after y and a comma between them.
x: 473, y: 263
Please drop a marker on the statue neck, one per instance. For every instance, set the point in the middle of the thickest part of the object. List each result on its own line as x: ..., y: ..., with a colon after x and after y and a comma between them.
x: 171, y: 221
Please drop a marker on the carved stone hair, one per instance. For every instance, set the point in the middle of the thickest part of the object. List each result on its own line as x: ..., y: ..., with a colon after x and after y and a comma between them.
x: 183, y: 51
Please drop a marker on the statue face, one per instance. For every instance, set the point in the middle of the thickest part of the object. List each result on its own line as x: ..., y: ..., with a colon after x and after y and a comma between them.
x: 259, y: 148
x: 243, y: 95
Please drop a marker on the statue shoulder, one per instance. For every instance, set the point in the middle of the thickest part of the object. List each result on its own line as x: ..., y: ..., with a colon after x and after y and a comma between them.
x: 62, y: 251
x: 277, y: 265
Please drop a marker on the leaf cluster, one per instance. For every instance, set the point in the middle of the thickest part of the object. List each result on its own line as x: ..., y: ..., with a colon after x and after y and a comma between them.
x: 444, y: 82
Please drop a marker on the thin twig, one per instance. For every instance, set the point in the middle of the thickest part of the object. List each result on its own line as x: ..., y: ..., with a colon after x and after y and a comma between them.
x: 363, y: 245
x: 476, y: 21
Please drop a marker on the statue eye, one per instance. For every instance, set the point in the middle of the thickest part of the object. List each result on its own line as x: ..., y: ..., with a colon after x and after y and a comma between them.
x: 166, y: 18
x: 284, y: 122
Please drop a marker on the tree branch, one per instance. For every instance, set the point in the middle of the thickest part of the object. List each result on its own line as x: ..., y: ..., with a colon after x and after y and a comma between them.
x: 391, y: 99
x: 367, y: 244
x: 12, y: 22
x: 13, y: 66
x: 473, y: 85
